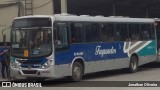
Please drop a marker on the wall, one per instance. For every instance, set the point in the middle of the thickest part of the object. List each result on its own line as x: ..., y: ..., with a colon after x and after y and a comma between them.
x: 42, y: 7
x: 7, y: 14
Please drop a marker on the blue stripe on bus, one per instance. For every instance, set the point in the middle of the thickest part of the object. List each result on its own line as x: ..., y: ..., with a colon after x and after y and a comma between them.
x: 103, y: 51
x: 91, y: 52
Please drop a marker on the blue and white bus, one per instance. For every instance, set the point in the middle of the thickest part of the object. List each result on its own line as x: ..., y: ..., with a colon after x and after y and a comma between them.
x: 69, y: 45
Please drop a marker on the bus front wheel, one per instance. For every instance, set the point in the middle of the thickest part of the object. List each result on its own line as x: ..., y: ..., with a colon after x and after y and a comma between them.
x: 77, y: 71
x: 133, y: 67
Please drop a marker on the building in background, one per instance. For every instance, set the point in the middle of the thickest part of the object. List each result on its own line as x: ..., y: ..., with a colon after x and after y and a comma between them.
x: 9, y: 9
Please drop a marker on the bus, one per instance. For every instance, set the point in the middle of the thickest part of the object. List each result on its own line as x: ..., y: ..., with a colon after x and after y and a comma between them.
x: 68, y: 45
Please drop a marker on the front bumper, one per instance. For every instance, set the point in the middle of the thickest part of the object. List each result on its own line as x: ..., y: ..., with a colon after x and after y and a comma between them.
x: 33, y: 72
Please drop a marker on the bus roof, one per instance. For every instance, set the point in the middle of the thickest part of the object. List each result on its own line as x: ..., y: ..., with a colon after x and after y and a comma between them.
x: 101, y: 19
x: 35, y: 16
x: 157, y: 19
x: 87, y: 18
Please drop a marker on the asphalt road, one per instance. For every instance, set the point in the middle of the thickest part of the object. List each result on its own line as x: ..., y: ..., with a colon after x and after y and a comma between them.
x: 147, y: 73
x: 119, y: 78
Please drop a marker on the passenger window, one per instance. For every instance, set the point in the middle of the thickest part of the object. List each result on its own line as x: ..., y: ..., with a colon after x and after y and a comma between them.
x: 107, y: 32
x: 92, y: 32
x: 134, y: 32
x: 153, y: 35
x: 121, y: 32
x: 61, y: 37
x: 77, y: 33
x: 146, y: 31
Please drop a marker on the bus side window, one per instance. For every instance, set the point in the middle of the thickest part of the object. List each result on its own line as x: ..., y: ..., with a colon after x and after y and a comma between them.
x: 61, y: 38
x: 146, y: 31
x: 121, y: 33
x: 153, y: 35
x: 77, y: 33
x: 92, y: 32
x: 107, y: 32
x: 134, y: 32
x: 56, y: 37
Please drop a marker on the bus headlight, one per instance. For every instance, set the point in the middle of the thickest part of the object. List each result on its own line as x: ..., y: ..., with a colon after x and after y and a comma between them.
x: 15, y: 64
x: 47, y: 64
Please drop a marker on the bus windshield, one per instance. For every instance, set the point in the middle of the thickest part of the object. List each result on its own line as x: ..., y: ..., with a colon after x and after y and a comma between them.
x: 36, y: 41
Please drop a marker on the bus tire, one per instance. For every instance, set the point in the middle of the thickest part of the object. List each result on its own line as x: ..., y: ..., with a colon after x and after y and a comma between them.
x: 77, y: 71
x: 133, y: 66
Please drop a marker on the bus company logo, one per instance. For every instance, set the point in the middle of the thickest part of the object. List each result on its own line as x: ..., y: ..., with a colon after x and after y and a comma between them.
x: 132, y: 47
x: 102, y: 52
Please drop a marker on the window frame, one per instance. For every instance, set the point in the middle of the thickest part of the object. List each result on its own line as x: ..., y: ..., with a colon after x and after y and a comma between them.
x: 55, y: 28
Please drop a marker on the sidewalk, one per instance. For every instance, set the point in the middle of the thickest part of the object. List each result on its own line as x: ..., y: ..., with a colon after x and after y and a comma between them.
x: 1, y: 79
x: 17, y: 79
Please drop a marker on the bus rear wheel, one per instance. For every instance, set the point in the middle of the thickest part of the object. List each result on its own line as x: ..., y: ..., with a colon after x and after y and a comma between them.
x: 77, y: 71
x: 133, y: 67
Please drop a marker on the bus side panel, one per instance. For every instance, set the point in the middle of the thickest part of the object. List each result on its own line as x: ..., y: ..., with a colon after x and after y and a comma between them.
x: 98, y: 57
x: 148, y: 53
x: 104, y: 56
x: 91, y: 52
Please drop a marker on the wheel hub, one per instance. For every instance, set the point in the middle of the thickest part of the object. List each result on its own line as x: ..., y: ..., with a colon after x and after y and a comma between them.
x: 77, y: 71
